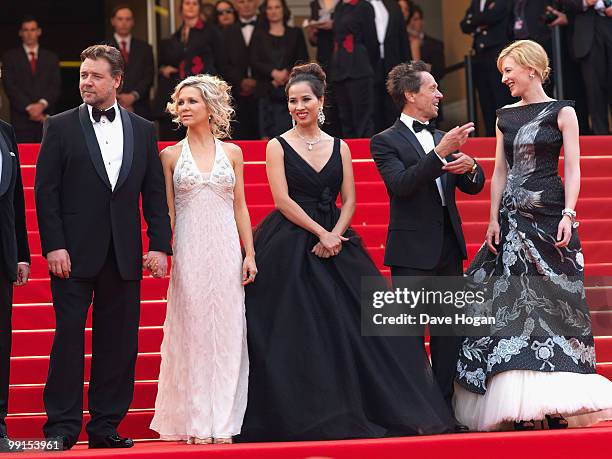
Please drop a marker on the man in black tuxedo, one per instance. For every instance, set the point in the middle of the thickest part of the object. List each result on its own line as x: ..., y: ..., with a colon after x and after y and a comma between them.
x: 421, y: 169
x: 31, y: 81
x: 394, y: 49
x: 138, y: 58
x: 487, y: 22
x: 95, y: 163
x: 238, y: 73
x: 592, y: 46
x: 14, y: 257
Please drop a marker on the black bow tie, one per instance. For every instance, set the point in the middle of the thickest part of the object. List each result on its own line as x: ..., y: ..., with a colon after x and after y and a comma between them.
x: 418, y: 127
x: 96, y: 114
x: 248, y: 23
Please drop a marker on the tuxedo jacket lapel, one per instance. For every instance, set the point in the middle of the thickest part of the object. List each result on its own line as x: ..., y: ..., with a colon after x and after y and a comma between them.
x: 7, y: 165
x: 92, y: 144
x: 128, y: 147
x: 407, y: 134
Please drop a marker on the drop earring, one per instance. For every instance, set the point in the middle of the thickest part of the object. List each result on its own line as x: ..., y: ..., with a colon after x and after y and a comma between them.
x: 293, y: 122
x: 321, y: 116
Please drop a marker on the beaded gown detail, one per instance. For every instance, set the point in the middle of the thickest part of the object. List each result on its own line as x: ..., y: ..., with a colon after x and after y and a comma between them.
x: 539, y: 356
x: 313, y: 376
x: 204, y: 361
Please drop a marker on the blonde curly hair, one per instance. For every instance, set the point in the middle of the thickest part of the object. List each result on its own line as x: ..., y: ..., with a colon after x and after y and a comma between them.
x: 527, y: 53
x: 216, y: 94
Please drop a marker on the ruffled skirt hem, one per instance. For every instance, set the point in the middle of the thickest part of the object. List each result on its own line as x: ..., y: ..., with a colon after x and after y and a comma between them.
x: 523, y: 395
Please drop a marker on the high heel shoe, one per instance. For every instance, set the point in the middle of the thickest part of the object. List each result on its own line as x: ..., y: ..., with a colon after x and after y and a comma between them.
x: 524, y: 425
x: 199, y: 441
x: 223, y: 441
x: 556, y: 421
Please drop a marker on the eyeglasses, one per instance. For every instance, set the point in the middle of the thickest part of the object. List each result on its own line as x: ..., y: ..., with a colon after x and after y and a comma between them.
x: 226, y: 11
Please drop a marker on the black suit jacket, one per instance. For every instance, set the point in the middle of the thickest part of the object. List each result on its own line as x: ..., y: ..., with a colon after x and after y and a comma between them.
x: 76, y: 208
x: 236, y: 63
x: 139, y: 72
x: 23, y: 88
x: 13, y: 233
x: 416, y: 218
x: 584, y: 27
x: 397, y: 46
x: 488, y: 27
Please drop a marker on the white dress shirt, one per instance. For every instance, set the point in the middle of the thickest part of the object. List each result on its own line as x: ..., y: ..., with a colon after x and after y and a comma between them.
x: 482, y: 5
x: 426, y: 140
x: 31, y: 50
x: 381, y: 18
x: 110, y: 140
x: 127, y: 40
x: 247, y: 31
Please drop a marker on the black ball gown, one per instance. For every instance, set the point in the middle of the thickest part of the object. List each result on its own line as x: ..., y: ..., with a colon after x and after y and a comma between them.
x: 312, y: 375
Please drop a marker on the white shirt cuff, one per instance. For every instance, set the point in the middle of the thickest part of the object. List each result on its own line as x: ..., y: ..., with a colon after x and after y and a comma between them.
x: 441, y: 159
x: 23, y: 263
x: 44, y: 102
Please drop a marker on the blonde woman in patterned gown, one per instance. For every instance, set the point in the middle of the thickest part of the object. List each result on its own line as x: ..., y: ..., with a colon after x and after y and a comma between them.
x: 538, y: 361
x: 202, y: 390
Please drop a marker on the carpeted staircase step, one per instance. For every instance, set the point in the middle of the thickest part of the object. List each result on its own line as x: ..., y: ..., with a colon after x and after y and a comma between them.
x: 29, y: 399
x: 375, y: 190
x: 255, y: 150
x: 135, y: 425
x: 594, y: 252
x: 38, y: 342
x: 29, y: 371
x: 40, y: 316
x: 376, y: 234
x: 365, y: 169
x: 471, y: 210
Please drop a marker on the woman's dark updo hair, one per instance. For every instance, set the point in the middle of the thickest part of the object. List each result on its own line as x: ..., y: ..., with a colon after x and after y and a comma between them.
x: 312, y: 74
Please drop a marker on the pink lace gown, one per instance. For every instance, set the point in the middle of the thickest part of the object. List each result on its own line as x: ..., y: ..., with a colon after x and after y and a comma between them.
x: 203, y: 378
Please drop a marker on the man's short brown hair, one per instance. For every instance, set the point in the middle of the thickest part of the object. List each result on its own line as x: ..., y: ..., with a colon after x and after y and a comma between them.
x: 404, y: 78
x: 110, y: 54
x: 121, y: 7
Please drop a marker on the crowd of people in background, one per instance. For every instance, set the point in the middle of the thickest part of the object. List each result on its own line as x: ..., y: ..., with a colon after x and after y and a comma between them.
x: 586, y: 45
x: 252, y: 44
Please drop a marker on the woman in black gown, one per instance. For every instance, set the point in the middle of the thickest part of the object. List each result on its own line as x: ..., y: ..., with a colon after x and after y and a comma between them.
x: 538, y: 360
x: 312, y: 375
x: 275, y: 48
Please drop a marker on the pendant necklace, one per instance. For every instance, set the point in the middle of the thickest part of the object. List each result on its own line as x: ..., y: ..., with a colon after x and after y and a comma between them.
x: 310, y: 143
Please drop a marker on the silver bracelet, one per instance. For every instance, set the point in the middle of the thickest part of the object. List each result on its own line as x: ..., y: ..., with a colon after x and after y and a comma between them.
x: 571, y: 213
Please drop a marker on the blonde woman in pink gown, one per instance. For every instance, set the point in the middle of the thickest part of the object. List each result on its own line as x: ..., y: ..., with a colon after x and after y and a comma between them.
x: 203, y: 378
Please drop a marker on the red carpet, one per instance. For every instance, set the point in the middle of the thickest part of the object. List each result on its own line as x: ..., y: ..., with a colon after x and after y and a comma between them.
x: 33, y: 321
x: 585, y: 443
